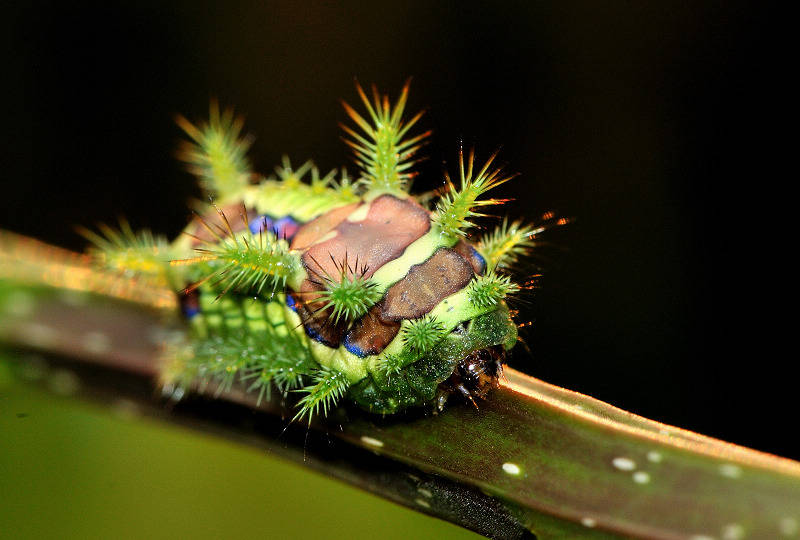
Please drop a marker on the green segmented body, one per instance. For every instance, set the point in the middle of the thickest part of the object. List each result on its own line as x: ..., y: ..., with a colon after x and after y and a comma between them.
x: 249, y: 318
x: 336, y: 288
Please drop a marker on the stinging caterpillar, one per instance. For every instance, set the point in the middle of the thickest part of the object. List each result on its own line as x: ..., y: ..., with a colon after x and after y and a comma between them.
x: 333, y: 287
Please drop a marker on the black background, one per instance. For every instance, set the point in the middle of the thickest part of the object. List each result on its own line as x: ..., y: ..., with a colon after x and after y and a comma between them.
x: 655, y: 125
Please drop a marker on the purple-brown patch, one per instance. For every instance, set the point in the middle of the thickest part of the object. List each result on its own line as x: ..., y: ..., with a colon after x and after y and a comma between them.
x: 426, y: 284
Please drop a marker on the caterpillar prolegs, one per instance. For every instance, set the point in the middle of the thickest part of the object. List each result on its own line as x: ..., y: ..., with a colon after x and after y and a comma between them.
x: 334, y: 287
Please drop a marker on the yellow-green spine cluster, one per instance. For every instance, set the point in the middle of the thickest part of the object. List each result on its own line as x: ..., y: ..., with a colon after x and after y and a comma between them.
x: 218, y: 155
x: 459, y: 205
x: 382, y: 150
x: 348, y: 295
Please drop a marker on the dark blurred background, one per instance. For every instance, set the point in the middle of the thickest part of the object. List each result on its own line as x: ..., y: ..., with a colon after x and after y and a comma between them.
x: 653, y: 124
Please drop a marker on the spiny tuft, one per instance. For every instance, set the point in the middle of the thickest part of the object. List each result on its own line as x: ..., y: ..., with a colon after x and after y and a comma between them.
x: 489, y: 289
x: 258, y: 263
x: 260, y: 359
x: 346, y: 190
x: 284, y: 372
x: 328, y: 388
x: 350, y: 294
x: 320, y: 185
x: 123, y: 250
x: 290, y: 177
x: 503, y: 246
x: 458, y: 206
x: 382, y: 151
x: 390, y: 364
x: 422, y: 334
x: 218, y: 154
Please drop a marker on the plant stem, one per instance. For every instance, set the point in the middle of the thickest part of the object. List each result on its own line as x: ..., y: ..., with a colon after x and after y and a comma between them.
x: 534, y: 457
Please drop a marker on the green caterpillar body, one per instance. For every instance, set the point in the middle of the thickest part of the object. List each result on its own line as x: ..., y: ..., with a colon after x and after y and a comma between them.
x: 335, y: 288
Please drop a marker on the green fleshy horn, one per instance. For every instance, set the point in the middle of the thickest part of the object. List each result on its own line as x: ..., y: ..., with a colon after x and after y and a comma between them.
x: 458, y: 206
x: 490, y: 289
x: 329, y: 387
x: 217, y: 155
x: 246, y: 262
x: 503, y: 246
x: 382, y: 150
x: 350, y: 296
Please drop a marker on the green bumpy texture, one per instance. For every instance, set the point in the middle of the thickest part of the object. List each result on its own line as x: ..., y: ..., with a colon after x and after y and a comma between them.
x: 254, y: 340
x: 417, y: 383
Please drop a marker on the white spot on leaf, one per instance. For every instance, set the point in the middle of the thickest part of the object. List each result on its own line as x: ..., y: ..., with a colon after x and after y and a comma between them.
x: 371, y: 442
x: 730, y: 470
x: 97, y: 342
x: 39, y: 334
x: 732, y: 531
x: 654, y: 457
x: 623, y: 463
x: 588, y: 522
x: 512, y: 468
x: 641, y: 477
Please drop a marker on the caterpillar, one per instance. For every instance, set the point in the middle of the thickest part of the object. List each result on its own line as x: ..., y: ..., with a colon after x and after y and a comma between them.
x: 331, y: 286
